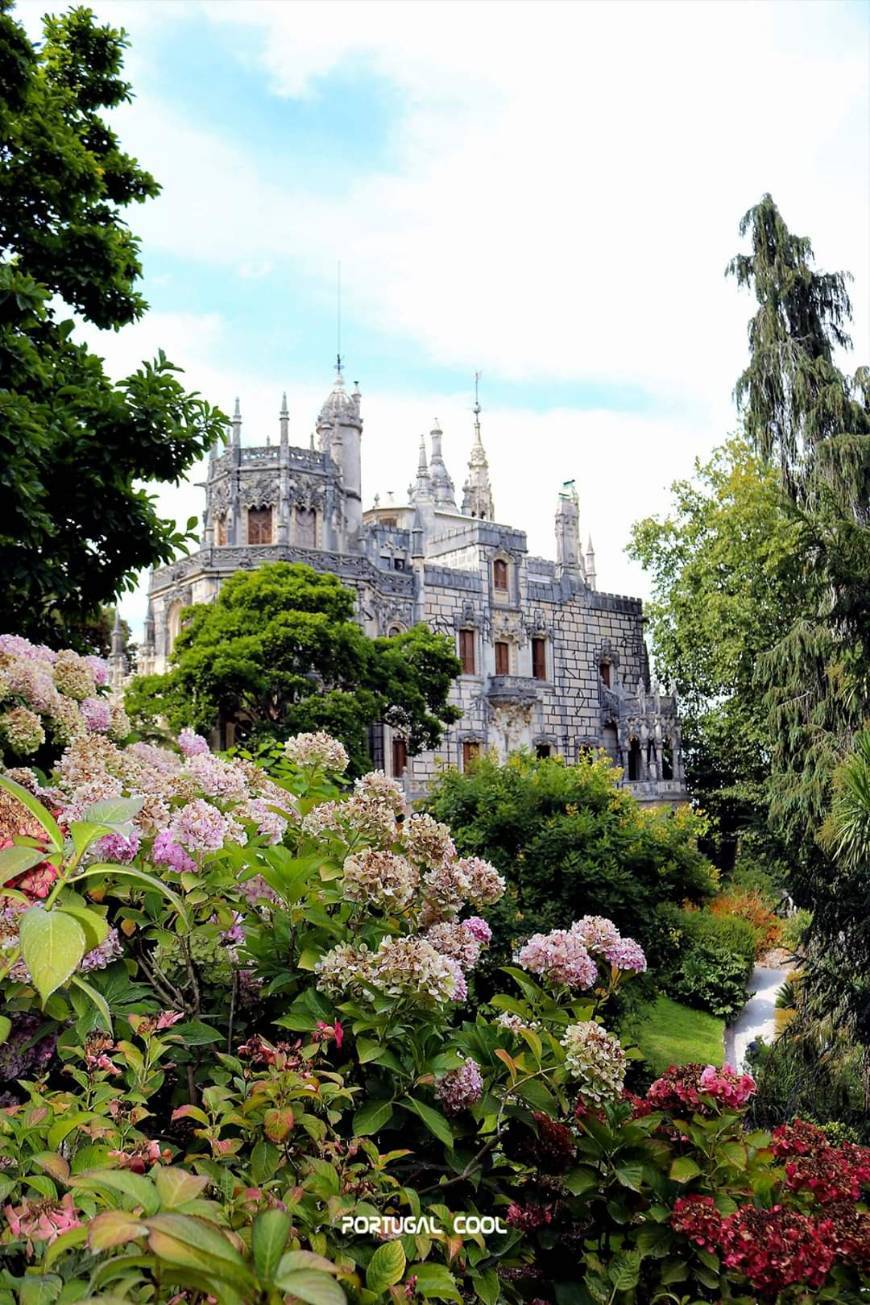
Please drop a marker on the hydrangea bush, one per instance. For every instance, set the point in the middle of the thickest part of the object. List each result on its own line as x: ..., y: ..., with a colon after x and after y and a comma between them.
x: 236, y: 1025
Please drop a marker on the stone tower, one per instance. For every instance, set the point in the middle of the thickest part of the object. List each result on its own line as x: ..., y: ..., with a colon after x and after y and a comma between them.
x: 477, y: 490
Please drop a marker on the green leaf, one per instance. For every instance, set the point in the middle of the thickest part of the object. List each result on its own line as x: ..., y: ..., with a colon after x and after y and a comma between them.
x: 114, y: 811
x: 433, y: 1119
x: 386, y: 1267
x: 625, y: 1271
x: 487, y: 1286
x: 312, y: 1287
x: 52, y: 945
x: 97, y: 998
x: 435, y: 1281
x: 367, y: 1049
x: 372, y: 1117
x: 140, y: 1190
x: 191, y: 1243
x: 268, y: 1239
x: 94, y: 926
x: 36, y: 809
x: 196, y: 1034
x: 579, y: 1181
x: 5, y: 1028
x: 630, y: 1175
x: 66, y: 1241
x: 176, y: 1187
x: 15, y: 860
x: 43, y: 1290
x: 129, y: 872
x: 114, y: 1228
x: 683, y: 1169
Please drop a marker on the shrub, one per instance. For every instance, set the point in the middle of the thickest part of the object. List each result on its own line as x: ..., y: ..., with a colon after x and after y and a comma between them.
x: 730, y: 933
x: 712, y: 979
x: 795, y: 928
x: 749, y: 905
x: 236, y: 1025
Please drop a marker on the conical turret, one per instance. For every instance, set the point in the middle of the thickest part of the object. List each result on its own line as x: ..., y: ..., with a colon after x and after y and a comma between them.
x: 442, y: 485
x: 477, y: 491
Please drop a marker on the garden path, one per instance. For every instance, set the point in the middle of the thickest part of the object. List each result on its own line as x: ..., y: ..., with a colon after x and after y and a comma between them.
x: 757, y: 1019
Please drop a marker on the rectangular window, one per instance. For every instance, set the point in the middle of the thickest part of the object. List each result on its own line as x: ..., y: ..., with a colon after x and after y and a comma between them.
x: 500, y: 575
x: 502, y: 659
x: 400, y: 758
x: 539, y: 659
x: 470, y: 754
x: 542, y: 750
x: 259, y: 525
x: 221, y: 531
x: 306, y: 527
x: 604, y: 672
x: 466, y: 651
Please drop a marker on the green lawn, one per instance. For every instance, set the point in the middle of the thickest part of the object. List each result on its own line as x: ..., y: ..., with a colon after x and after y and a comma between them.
x: 670, y: 1034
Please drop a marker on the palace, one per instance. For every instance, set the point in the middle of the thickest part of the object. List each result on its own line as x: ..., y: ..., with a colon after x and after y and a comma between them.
x: 548, y: 662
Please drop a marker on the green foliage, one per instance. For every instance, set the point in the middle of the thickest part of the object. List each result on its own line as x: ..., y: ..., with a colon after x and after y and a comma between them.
x: 724, y: 931
x: 722, y: 564
x: 570, y: 842
x: 279, y: 653
x: 76, y: 448
x: 712, y: 978
x: 667, y: 1033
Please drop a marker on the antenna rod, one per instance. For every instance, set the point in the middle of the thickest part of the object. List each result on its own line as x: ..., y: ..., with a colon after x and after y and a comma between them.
x: 338, y: 317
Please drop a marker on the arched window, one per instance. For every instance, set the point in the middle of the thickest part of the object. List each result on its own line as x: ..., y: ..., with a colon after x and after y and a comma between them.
x: 173, y: 624
x: 634, y: 760
x: 260, y: 525
x: 667, y: 760
x: 306, y: 527
x: 500, y: 575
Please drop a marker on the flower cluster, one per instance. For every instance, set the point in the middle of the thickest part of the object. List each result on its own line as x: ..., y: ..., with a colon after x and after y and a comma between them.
x: 381, y: 879
x: 775, y: 1248
x: 697, y: 1218
x: 460, y: 1088
x: 560, y: 958
x: 318, y: 751
x: 409, y: 969
x: 692, y: 1087
x: 831, y: 1173
x: 47, y: 695
x: 596, y: 1058
x: 41, y: 1220
x: 567, y: 957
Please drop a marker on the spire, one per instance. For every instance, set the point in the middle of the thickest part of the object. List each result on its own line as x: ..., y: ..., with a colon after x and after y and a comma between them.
x: 590, y: 563
x: 423, y: 487
x: 442, y: 485
x: 117, y: 635
x: 477, y: 491
x: 568, y: 556
x: 284, y: 421
x: 236, y: 437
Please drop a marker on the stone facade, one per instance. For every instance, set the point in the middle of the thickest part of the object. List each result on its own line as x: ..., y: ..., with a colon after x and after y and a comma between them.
x: 549, y: 663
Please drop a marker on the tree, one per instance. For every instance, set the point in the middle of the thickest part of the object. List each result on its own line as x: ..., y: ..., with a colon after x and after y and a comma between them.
x: 76, y: 449
x: 570, y: 842
x: 724, y: 582
x: 278, y: 652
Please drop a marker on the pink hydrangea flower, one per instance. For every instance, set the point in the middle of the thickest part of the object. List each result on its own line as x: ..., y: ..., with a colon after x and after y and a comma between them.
x: 478, y: 928
x: 559, y: 957
x: 99, y: 670
x: 166, y: 851
x: 42, y: 1221
x: 199, y: 827
x: 625, y: 954
x: 119, y: 848
x: 460, y: 1088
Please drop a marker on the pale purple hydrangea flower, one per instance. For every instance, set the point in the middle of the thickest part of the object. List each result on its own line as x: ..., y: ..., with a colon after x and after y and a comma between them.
x: 17, y: 646
x: 460, y: 986
x: 626, y: 954
x: 191, y: 744
x: 97, y: 714
x: 200, y: 827
x: 452, y: 939
x: 99, y: 669
x: 427, y: 841
x: 595, y: 932
x: 33, y: 682
x: 478, y: 929
x: 217, y: 778
x: 484, y: 886
x: 558, y: 957
x: 117, y: 847
x: 379, y: 879
x: 166, y: 851
x: 460, y: 1088
x: 271, y: 825
x: 99, y: 957
x: 378, y: 787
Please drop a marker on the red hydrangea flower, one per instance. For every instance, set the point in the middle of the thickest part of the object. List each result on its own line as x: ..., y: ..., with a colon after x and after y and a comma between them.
x: 800, y: 1137
x: 849, y: 1234
x: 528, y: 1217
x: 683, y: 1086
x: 699, y: 1220
x: 777, y: 1247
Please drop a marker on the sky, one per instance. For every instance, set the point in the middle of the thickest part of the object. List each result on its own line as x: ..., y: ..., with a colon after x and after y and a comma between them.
x: 546, y: 193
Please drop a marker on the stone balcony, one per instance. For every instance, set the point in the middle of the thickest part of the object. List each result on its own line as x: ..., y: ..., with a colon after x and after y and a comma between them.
x: 512, y: 688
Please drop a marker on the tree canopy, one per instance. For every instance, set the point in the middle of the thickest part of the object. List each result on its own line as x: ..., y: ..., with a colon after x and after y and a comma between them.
x: 76, y: 448
x: 278, y: 652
